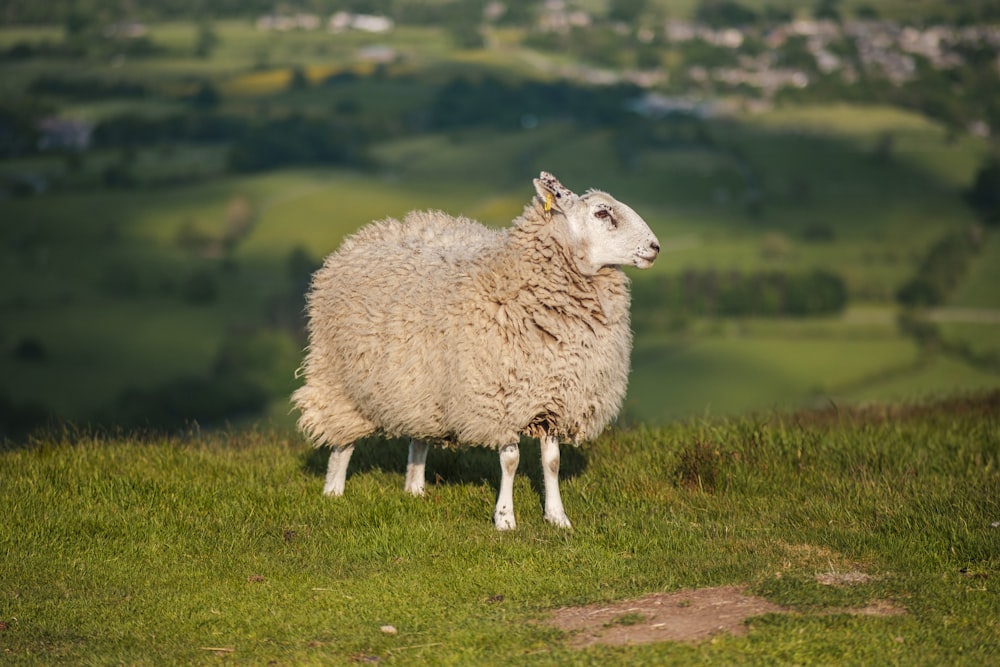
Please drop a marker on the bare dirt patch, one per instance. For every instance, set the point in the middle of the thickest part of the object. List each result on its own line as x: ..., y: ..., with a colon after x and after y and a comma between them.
x: 690, y: 615
x: 681, y: 616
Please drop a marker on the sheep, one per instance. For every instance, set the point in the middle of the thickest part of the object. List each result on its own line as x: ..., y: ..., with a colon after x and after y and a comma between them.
x: 450, y: 333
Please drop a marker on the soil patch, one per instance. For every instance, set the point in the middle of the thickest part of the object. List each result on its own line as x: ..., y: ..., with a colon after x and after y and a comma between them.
x: 681, y: 616
x: 690, y: 615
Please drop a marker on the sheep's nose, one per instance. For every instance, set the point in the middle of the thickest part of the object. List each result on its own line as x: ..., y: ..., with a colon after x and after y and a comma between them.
x: 655, y: 246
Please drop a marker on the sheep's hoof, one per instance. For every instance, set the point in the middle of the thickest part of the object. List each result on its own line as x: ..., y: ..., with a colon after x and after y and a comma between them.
x: 333, y: 490
x: 559, y: 520
x: 504, y: 520
x: 414, y: 490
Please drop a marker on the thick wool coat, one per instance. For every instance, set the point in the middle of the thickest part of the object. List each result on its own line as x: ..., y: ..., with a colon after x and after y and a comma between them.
x: 441, y: 329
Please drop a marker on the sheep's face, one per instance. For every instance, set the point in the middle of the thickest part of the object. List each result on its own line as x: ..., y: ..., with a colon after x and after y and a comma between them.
x: 606, y: 231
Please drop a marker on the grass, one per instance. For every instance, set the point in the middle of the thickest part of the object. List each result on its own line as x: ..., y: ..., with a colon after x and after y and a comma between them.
x: 726, y: 374
x: 220, y: 546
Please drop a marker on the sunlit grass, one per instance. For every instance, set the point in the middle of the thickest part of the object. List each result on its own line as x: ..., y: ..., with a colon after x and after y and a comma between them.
x: 724, y: 372
x: 219, y: 546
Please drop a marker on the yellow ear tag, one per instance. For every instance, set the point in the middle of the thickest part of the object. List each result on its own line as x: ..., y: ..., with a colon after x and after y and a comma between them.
x: 548, y: 202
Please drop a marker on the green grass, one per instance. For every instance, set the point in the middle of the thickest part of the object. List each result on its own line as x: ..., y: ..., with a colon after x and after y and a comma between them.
x: 724, y: 373
x: 982, y: 288
x: 122, y: 550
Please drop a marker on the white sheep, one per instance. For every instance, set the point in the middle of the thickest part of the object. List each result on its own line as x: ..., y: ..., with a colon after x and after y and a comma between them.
x: 442, y: 330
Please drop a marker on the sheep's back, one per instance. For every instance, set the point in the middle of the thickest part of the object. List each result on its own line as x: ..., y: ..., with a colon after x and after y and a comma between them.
x: 381, y: 313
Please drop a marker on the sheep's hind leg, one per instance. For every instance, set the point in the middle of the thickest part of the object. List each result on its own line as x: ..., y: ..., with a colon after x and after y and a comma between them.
x: 415, y: 467
x: 336, y: 470
x: 503, y: 515
x: 554, y: 512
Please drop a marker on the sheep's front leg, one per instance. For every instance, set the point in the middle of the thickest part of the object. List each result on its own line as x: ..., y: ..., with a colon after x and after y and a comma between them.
x: 503, y: 515
x: 415, y: 467
x: 554, y: 512
x: 336, y: 470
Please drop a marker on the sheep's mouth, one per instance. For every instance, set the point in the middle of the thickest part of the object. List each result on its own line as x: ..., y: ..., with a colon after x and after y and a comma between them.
x: 644, y: 261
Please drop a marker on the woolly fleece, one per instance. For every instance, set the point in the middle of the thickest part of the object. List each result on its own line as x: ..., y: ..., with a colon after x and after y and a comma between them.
x: 441, y: 329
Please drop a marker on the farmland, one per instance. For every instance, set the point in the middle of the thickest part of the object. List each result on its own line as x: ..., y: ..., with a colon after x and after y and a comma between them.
x: 140, y: 268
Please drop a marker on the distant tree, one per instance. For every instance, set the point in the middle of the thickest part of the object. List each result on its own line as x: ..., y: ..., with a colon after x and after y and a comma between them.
x: 20, y: 419
x: 940, y: 271
x: 795, y: 53
x: 466, y: 35
x: 119, y: 174
x: 301, y: 265
x: 724, y: 13
x: 817, y: 293
x: 628, y: 11
x: 206, y: 41
x: 77, y: 24
x: 200, y: 288
x: 884, y: 147
x: 73, y: 161
x: 18, y: 131
x: 463, y: 21
x: 298, y: 80
x: 298, y: 140
x: 206, y: 97
x: 121, y: 280
x: 29, y: 349
x: 827, y: 10
x: 867, y: 12
x: 772, y: 14
x: 984, y: 195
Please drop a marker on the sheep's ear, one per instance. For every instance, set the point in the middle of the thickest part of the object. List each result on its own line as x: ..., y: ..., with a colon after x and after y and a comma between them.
x: 553, y: 194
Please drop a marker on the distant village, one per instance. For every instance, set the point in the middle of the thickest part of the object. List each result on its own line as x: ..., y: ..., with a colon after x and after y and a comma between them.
x: 885, y: 49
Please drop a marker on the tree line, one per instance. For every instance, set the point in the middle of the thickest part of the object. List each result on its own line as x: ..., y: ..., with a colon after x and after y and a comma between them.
x: 715, y: 293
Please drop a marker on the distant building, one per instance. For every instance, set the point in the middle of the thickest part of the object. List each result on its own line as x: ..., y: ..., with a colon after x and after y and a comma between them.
x: 126, y: 30
x: 657, y: 105
x: 64, y: 134
x: 342, y: 21
x: 379, y: 54
x: 284, y: 23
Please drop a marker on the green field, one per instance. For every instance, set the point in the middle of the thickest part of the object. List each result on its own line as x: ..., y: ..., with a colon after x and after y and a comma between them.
x: 99, y: 343
x: 101, y: 279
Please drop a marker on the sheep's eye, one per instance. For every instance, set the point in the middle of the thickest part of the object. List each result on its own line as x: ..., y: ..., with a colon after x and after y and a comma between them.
x: 604, y: 214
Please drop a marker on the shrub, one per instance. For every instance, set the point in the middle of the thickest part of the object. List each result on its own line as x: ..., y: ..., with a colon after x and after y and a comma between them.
x: 120, y: 279
x: 20, y: 419
x: 761, y: 294
x: 188, y: 399
x: 200, y: 288
x: 939, y: 272
x: 984, y: 194
x: 29, y: 349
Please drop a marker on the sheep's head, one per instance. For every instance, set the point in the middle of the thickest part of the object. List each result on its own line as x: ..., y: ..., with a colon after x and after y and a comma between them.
x: 606, y: 231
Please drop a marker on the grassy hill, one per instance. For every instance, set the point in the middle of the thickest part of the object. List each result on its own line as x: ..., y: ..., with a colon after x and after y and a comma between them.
x: 186, y: 274
x: 99, y: 279
x: 871, y: 534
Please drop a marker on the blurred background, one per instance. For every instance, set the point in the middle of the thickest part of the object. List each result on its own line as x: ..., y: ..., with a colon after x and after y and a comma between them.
x: 822, y: 176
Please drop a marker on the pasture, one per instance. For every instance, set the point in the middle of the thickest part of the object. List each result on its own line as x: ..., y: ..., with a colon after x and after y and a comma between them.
x: 869, y: 537
x: 154, y: 285
x: 140, y: 266
x: 97, y: 277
